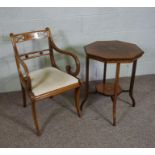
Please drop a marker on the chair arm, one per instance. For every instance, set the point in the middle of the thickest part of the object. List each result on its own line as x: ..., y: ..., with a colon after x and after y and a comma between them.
x: 68, y: 67
x: 25, y: 78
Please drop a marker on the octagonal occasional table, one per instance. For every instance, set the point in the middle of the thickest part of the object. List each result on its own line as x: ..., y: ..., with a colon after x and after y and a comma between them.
x: 117, y: 52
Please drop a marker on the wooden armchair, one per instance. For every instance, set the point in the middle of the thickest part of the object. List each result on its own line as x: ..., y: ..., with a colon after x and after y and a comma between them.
x: 46, y: 82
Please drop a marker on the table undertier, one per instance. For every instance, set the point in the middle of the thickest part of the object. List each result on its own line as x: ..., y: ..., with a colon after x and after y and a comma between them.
x: 108, y: 89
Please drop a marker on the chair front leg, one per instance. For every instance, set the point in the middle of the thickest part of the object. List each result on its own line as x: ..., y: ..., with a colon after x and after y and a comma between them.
x: 77, y: 101
x: 34, y: 114
x: 24, y: 96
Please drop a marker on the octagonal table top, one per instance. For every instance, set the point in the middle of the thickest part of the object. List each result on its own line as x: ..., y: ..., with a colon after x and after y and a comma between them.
x: 113, y: 51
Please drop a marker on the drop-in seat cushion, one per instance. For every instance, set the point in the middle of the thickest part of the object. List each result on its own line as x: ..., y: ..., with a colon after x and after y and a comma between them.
x: 49, y: 79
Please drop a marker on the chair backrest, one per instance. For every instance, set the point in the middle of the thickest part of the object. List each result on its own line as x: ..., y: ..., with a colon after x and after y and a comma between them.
x: 34, y: 35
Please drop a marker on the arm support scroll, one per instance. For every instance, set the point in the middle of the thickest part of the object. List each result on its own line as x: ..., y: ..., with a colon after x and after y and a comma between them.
x: 68, y: 67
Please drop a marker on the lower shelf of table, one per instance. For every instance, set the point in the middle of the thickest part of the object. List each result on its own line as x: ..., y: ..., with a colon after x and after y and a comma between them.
x: 108, y: 89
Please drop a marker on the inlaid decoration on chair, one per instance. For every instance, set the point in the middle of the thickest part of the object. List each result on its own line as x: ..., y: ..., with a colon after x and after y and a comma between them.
x: 48, y: 81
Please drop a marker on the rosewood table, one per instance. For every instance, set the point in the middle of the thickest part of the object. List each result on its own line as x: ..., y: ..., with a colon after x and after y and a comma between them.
x: 117, y: 52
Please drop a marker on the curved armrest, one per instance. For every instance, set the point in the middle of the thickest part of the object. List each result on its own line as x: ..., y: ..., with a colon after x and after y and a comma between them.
x: 68, y: 67
x: 24, y: 77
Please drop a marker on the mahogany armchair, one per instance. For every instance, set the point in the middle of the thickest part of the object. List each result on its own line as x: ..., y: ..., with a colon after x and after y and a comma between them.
x: 46, y: 82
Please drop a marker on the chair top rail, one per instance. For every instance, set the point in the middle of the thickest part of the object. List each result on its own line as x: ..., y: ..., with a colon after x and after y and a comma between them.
x: 21, y: 37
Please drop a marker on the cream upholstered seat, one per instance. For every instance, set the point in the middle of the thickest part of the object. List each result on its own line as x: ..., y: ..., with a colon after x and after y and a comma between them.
x: 49, y: 79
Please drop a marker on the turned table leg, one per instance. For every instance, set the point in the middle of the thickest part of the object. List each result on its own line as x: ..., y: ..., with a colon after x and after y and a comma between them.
x: 132, y: 83
x: 115, y: 92
x: 87, y: 82
x: 104, y: 73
